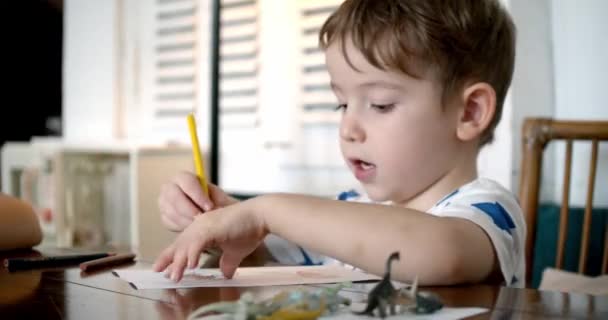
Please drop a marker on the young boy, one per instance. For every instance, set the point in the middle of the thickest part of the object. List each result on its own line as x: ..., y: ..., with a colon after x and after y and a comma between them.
x: 421, y: 86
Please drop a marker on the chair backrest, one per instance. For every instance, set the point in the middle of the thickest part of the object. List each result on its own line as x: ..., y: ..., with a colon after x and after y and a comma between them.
x: 537, y: 133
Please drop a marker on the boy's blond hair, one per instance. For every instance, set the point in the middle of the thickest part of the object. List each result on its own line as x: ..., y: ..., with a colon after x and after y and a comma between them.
x: 463, y: 40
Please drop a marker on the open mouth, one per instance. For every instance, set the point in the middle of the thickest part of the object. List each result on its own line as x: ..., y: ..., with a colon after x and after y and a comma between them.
x: 363, y: 170
x: 363, y: 164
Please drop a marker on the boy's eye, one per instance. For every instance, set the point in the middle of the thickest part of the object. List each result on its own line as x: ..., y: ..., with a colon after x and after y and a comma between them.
x: 341, y: 107
x: 383, y: 107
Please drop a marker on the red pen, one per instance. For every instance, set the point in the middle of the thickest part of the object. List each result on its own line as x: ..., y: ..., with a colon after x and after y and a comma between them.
x: 108, y: 261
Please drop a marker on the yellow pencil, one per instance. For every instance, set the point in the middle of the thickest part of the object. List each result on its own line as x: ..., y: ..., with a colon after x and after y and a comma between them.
x: 196, y: 152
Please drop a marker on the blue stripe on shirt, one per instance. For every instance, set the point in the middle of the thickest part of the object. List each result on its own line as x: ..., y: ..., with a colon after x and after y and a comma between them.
x: 499, y: 215
x: 307, y: 260
x: 348, y: 195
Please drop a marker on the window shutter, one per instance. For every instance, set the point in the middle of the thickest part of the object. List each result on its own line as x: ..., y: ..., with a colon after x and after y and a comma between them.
x: 278, y: 127
x: 238, y: 64
x: 318, y: 101
x: 175, y: 79
x: 314, y: 164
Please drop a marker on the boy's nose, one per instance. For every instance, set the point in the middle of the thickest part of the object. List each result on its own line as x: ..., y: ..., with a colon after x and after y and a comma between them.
x: 351, y: 129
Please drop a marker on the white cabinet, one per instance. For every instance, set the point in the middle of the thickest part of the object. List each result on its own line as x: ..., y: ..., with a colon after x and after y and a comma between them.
x: 86, y: 196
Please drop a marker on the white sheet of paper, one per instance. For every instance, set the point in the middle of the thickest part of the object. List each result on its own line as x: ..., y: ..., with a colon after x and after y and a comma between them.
x: 444, y: 314
x: 244, y: 277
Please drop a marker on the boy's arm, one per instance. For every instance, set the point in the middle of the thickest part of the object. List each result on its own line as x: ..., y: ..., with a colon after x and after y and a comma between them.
x: 439, y: 250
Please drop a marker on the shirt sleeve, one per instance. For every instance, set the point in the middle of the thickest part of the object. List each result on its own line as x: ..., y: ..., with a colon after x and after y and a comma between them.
x: 497, y: 212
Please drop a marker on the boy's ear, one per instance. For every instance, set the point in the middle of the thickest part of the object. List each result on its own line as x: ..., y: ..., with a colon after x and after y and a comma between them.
x: 479, y: 105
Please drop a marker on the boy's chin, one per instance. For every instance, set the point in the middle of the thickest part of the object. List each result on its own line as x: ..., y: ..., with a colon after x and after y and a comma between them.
x: 376, y: 194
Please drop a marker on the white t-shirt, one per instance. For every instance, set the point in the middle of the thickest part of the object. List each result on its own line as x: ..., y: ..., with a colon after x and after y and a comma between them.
x: 482, y: 201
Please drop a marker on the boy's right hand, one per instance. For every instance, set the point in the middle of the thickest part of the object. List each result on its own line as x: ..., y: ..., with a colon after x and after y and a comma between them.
x: 183, y: 198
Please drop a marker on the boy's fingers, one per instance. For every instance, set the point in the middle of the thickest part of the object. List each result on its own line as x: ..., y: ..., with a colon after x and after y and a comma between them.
x: 169, y: 214
x: 181, y: 218
x: 218, y: 195
x: 175, y: 223
x: 228, y: 264
x: 164, y: 205
x: 194, y: 253
x: 185, y: 207
x: 168, y: 222
x: 169, y: 271
x: 191, y: 186
x: 179, y: 264
x: 163, y: 260
x: 175, y: 199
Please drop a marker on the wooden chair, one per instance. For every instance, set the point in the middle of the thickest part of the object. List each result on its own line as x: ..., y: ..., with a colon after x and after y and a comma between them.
x: 537, y: 133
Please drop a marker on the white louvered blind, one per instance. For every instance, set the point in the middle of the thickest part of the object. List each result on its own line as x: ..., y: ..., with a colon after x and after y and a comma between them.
x: 176, y: 78
x: 278, y: 127
x: 239, y: 95
x: 180, y: 46
x: 238, y: 64
x: 176, y: 55
x: 314, y: 164
x: 318, y: 101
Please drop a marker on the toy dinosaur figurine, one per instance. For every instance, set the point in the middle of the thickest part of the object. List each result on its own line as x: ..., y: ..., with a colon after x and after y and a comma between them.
x: 384, y: 294
x: 424, y: 302
x: 287, y: 305
x: 384, y: 297
x: 314, y: 304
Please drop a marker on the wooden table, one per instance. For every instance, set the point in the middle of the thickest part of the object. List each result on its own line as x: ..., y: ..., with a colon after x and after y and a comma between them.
x: 68, y: 294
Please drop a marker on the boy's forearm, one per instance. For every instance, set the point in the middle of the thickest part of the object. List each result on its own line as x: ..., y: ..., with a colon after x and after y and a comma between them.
x: 365, y: 234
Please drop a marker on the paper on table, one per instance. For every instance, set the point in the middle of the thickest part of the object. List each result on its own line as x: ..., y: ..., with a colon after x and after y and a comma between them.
x: 442, y: 314
x: 244, y: 277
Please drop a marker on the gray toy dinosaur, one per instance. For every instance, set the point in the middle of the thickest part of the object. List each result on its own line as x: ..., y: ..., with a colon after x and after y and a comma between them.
x: 385, y: 297
x: 384, y: 294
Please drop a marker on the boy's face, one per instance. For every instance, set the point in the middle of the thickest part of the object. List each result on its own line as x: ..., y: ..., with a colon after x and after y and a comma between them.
x: 394, y: 134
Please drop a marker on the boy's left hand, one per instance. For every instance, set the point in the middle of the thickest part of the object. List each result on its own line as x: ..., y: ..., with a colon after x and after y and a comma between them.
x: 236, y: 229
